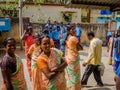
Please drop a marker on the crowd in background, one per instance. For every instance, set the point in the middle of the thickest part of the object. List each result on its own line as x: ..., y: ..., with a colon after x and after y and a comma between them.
x: 53, y: 59
x: 59, y: 31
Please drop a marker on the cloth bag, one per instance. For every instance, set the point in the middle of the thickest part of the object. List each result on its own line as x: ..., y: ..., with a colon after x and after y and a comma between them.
x: 101, y: 68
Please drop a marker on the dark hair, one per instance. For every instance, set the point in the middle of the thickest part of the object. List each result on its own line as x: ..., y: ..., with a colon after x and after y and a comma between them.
x: 7, y: 39
x: 91, y: 34
x: 29, y: 28
x: 58, y: 27
x: 43, y: 36
x: 45, y: 31
x: 51, y: 28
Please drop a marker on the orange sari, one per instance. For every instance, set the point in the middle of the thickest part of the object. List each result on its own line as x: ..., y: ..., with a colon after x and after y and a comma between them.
x: 58, y: 82
x: 72, y: 71
x: 17, y: 78
x: 35, y: 51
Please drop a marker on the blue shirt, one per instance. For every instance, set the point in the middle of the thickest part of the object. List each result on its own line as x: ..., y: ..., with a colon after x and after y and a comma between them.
x: 63, y: 27
x: 48, y: 26
x: 116, y: 49
x: 54, y: 27
x: 116, y: 57
x: 78, y: 31
x: 118, y: 71
x: 109, y: 34
x: 56, y: 34
x: 51, y: 34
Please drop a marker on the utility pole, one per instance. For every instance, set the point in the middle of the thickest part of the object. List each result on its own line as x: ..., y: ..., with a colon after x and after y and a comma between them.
x: 20, y: 23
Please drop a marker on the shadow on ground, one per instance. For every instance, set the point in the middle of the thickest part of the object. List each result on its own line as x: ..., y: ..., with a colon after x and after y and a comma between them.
x: 100, y: 89
x: 105, y: 84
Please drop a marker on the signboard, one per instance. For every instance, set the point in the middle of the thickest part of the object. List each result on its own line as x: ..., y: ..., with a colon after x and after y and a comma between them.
x: 105, y: 12
x: 5, y: 24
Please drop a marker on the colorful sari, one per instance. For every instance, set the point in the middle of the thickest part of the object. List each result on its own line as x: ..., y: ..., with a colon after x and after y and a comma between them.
x: 28, y: 42
x: 62, y: 42
x: 17, y: 78
x: 35, y: 51
x: 43, y: 61
x: 72, y: 71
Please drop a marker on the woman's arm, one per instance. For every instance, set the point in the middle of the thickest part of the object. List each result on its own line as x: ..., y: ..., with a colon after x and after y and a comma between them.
x: 43, y: 65
x: 79, y: 47
x: 48, y: 73
x: 22, y: 37
x: 61, y: 67
x: 7, y: 78
x: 54, y: 71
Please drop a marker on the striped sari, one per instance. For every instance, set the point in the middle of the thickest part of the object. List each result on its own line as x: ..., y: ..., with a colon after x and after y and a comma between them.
x: 36, y: 73
x: 17, y: 78
x: 72, y: 71
x: 58, y: 82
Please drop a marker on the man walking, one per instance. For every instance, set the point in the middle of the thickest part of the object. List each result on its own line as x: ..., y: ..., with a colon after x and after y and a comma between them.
x: 93, y: 61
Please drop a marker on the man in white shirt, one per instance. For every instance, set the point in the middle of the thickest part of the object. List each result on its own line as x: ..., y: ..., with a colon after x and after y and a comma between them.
x: 93, y: 61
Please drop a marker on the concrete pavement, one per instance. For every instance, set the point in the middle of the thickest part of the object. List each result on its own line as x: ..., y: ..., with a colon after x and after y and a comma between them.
x: 108, y: 78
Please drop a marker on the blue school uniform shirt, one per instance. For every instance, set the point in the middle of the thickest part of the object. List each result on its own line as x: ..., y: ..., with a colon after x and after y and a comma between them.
x: 78, y: 31
x: 48, y: 26
x: 51, y: 34
x: 63, y: 27
x: 56, y: 34
x: 54, y: 27
x: 62, y: 47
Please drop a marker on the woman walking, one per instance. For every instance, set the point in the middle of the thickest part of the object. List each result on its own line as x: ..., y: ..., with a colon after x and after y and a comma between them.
x: 72, y: 71
x: 52, y: 65
x: 12, y: 68
x: 110, y: 48
x: 33, y: 54
x: 28, y: 39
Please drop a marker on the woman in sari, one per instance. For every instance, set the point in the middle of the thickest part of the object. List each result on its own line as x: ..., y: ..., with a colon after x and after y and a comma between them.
x: 52, y: 65
x: 12, y: 68
x: 110, y: 48
x: 72, y: 71
x: 62, y: 37
x: 28, y: 39
x: 33, y: 53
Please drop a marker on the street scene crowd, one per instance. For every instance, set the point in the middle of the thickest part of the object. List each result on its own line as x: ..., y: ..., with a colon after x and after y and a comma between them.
x: 53, y: 58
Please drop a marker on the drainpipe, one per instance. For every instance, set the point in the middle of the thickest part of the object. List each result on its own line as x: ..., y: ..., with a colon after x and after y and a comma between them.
x: 20, y: 23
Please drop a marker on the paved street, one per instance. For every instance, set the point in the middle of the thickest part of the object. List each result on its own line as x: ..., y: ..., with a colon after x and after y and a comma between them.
x: 107, y: 78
